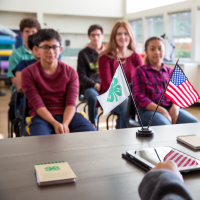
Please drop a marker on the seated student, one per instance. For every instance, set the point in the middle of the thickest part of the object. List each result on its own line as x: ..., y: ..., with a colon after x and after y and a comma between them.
x: 121, y: 43
x: 28, y: 26
x: 87, y: 69
x: 25, y: 63
x: 149, y: 83
x: 51, y: 88
x: 164, y: 182
x: 22, y: 65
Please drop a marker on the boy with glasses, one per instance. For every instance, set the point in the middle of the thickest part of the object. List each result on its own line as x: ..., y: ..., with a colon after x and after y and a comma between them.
x: 51, y: 88
x: 87, y: 69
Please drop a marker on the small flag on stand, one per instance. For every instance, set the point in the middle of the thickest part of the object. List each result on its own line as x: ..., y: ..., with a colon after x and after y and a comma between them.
x: 116, y: 94
x: 180, y: 91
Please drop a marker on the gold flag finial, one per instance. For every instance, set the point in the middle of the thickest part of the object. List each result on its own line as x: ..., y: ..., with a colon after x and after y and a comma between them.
x: 118, y: 59
x: 177, y: 61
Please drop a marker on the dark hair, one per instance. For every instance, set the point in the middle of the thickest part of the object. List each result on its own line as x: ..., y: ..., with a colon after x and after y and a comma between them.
x: 31, y: 43
x: 46, y: 34
x: 29, y: 23
x: 95, y: 27
x: 147, y: 43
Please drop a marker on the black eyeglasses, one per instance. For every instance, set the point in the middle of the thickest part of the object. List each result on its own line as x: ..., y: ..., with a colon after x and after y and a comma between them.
x: 46, y: 48
x: 93, y: 35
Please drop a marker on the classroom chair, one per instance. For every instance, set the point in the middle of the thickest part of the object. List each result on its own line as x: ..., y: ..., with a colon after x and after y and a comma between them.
x: 82, y: 100
x: 131, y: 113
x: 20, y: 116
x: 16, y: 123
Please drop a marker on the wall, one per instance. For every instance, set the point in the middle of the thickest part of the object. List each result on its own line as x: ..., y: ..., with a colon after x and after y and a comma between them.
x: 78, y: 40
x: 71, y: 18
x: 74, y: 28
x: 103, y: 8
x: 77, y: 24
x: 12, y: 19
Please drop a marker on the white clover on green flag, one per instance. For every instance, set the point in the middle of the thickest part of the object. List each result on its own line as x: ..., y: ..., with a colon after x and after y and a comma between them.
x: 116, y: 94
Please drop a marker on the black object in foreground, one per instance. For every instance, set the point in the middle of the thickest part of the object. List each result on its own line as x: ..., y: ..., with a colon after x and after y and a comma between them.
x: 145, y: 132
x: 145, y: 168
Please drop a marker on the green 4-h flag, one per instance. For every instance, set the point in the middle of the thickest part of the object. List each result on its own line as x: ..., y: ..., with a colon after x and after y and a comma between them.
x: 116, y: 94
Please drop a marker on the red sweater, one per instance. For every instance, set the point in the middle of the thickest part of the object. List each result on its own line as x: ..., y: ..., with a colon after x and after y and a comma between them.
x: 55, y: 91
x: 108, y: 66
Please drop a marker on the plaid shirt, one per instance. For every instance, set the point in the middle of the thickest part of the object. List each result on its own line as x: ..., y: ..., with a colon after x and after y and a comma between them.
x: 149, y: 84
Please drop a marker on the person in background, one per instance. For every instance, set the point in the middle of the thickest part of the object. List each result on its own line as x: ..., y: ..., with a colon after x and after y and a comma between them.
x: 22, y: 65
x: 28, y: 26
x: 163, y: 182
x: 25, y: 63
x: 87, y: 69
x: 149, y: 82
x: 51, y: 88
x: 7, y: 31
x: 121, y: 43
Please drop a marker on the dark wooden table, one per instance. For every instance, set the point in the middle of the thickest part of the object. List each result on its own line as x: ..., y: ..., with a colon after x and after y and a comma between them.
x: 95, y: 157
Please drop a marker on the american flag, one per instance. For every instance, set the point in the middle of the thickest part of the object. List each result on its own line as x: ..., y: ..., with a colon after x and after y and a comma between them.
x: 180, y: 91
x: 180, y: 159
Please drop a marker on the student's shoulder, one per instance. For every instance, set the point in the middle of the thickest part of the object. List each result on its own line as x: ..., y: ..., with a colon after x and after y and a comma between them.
x: 107, y: 58
x: 84, y: 51
x: 32, y: 68
x: 66, y: 68
x: 169, y: 69
x: 136, y: 56
x: 24, y: 63
x: 141, y: 69
x: 17, y: 52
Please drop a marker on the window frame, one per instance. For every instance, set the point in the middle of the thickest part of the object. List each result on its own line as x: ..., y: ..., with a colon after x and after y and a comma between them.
x: 150, y: 23
x: 172, y: 38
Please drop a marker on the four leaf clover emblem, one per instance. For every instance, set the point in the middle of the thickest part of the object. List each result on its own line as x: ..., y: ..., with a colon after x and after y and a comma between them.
x: 114, y: 91
x: 55, y: 168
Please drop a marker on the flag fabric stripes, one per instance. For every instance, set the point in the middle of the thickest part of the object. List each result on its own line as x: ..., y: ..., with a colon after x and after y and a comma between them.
x: 180, y: 91
x: 180, y: 159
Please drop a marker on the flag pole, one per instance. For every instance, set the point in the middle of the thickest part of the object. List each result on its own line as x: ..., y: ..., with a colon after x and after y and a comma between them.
x: 130, y: 92
x: 163, y: 94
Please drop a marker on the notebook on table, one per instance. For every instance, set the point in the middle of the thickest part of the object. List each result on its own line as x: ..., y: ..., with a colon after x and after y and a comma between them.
x: 192, y: 141
x: 54, y: 173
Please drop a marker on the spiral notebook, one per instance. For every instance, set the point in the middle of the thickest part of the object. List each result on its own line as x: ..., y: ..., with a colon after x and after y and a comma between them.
x: 54, y: 173
x: 190, y: 140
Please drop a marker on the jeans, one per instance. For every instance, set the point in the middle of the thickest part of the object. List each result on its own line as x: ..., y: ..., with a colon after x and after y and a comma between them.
x: 91, y: 95
x: 121, y: 110
x: 159, y: 119
x: 39, y: 126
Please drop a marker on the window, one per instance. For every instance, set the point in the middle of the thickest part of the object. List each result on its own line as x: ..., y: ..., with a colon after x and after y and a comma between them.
x: 181, y: 24
x: 137, y: 29
x: 181, y: 33
x: 183, y: 48
x: 155, y: 26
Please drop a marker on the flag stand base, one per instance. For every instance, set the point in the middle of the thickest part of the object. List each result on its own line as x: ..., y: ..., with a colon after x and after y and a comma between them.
x: 145, y: 132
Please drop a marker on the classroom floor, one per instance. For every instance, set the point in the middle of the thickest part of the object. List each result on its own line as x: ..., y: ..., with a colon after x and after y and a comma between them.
x: 4, y: 101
